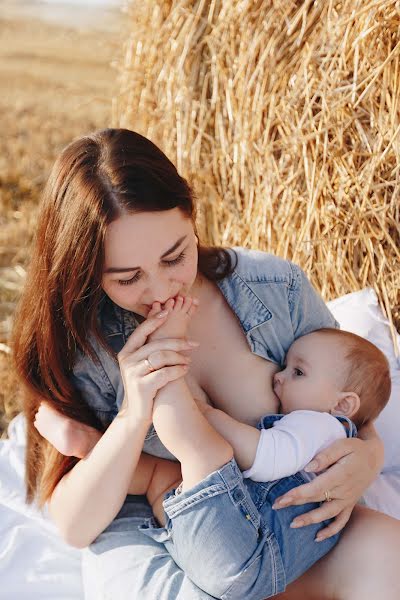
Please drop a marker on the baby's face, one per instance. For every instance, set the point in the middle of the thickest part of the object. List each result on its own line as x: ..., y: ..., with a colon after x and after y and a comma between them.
x: 313, y: 375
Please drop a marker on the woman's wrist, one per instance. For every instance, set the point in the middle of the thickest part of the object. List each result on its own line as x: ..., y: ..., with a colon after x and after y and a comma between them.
x: 133, y: 419
x: 368, y: 434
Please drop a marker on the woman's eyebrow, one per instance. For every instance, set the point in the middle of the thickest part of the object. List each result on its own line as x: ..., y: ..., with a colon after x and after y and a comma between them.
x: 125, y: 269
x: 174, y: 247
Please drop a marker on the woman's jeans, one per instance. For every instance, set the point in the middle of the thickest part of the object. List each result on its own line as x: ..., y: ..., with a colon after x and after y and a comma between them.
x: 222, y: 540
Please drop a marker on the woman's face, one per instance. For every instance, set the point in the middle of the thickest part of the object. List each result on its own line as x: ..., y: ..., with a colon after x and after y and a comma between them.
x: 149, y: 257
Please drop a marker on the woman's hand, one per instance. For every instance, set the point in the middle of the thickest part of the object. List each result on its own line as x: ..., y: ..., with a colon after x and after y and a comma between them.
x: 148, y: 367
x: 352, y: 465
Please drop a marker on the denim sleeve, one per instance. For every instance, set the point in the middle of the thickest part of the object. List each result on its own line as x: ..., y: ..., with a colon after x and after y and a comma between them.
x: 91, y: 380
x: 308, y: 311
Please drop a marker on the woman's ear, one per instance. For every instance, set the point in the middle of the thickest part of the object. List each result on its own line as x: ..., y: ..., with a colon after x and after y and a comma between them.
x: 347, y: 405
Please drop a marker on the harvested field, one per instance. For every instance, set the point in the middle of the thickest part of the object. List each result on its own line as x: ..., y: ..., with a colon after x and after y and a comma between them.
x: 57, y: 83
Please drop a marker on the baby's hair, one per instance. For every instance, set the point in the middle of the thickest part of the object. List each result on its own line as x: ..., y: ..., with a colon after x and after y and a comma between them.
x: 367, y: 374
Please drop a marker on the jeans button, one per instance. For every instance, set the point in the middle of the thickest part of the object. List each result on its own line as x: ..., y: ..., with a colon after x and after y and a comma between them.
x: 237, y: 495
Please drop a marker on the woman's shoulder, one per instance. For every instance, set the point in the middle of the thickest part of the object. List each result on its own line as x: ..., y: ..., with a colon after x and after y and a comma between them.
x: 256, y: 266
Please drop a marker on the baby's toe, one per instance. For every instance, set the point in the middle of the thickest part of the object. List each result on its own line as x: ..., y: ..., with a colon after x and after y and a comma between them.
x: 187, y: 304
x: 169, y: 305
x: 178, y: 303
x: 155, y: 309
x: 192, y: 309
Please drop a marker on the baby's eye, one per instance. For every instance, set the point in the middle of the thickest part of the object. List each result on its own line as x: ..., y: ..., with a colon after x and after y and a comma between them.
x: 298, y: 372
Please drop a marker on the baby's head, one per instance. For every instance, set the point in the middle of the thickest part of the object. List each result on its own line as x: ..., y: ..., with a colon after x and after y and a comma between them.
x: 334, y: 371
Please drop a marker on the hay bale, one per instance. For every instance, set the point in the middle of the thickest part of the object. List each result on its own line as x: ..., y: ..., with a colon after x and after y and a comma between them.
x: 284, y: 116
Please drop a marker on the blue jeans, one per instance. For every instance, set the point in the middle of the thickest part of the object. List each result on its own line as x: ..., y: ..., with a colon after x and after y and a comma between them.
x: 124, y: 564
x: 229, y: 541
x: 221, y: 540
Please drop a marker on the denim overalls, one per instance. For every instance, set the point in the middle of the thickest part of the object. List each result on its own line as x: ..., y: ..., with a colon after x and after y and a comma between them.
x: 275, y: 304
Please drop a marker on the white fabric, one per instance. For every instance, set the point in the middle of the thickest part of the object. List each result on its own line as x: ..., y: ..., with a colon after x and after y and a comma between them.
x: 360, y: 313
x: 35, y: 564
x: 292, y: 443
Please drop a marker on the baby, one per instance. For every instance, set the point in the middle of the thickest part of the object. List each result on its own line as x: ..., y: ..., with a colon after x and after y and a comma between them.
x: 328, y: 373
x: 331, y: 381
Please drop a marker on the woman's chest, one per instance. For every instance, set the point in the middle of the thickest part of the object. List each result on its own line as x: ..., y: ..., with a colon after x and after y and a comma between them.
x: 234, y: 379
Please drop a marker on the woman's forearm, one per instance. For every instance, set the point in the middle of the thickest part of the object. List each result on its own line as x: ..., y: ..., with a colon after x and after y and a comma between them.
x: 87, y: 498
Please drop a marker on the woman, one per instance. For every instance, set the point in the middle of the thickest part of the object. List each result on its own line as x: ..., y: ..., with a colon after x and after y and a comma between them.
x: 117, y: 234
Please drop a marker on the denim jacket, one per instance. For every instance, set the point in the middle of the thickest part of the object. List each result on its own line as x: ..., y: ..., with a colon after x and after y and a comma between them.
x: 272, y: 299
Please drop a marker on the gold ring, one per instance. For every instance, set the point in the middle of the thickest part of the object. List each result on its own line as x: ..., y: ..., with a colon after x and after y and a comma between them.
x: 328, y: 496
x: 149, y: 366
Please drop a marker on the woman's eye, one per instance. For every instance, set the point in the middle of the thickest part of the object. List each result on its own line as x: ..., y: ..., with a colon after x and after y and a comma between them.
x: 298, y: 372
x: 136, y: 277
x: 175, y: 261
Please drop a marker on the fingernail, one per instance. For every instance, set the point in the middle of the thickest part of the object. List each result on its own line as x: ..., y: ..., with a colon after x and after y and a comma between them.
x: 162, y: 314
x: 295, y: 524
x: 312, y: 466
x: 193, y: 344
x: 319, y: 538
x: 281, y: 503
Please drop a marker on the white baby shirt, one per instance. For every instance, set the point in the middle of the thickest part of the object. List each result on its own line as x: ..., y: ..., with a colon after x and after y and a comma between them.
x: 292, y: 443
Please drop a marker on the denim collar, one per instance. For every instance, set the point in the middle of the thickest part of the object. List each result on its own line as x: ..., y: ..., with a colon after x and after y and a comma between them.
x: 251, y: 313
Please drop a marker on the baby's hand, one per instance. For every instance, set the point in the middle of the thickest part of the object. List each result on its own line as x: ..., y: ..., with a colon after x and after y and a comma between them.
x: 69, y: 437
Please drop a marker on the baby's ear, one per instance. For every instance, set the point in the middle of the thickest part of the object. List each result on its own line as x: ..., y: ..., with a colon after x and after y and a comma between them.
x: 347, y: 405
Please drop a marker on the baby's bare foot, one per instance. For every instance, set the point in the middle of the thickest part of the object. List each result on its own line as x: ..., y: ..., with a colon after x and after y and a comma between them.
x: 180, y: 311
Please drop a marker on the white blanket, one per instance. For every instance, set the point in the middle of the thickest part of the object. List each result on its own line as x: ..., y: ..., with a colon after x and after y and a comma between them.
x: 35, y: 564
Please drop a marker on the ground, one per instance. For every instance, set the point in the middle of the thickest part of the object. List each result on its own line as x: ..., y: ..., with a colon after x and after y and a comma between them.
x: 58, y: 75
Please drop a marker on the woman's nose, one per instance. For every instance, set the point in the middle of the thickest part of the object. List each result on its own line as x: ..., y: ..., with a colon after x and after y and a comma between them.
x: 159, y: 291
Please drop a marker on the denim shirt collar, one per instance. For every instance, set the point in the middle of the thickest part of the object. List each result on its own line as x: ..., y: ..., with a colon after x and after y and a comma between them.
x: 116, y: 321
x: 251, y: 314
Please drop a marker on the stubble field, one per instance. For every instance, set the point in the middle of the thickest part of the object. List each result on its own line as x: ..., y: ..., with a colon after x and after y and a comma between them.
x: 57, y: 76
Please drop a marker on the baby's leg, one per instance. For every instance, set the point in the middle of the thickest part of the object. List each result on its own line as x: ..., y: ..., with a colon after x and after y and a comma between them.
x: 179, y: 423
x: 154, y: 477
x: 186, y: 433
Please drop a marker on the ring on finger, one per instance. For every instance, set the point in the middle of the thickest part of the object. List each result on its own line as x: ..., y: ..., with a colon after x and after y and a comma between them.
x: 149, y: 366
x: 327, y: 495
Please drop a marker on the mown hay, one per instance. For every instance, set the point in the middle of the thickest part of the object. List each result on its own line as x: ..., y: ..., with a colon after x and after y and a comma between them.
x: 284, y: 115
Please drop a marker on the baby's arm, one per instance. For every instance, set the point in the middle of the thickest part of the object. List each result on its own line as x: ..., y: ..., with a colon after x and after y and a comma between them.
x: 243, y: 438
x: 282, y: 450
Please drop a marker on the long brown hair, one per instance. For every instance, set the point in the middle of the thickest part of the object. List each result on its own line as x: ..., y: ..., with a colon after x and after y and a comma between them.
x: 95, y: 180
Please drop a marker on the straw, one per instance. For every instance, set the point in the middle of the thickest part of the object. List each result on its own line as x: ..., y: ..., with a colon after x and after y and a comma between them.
x: 284, y: 116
